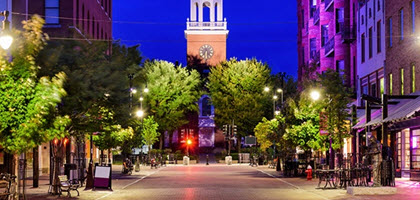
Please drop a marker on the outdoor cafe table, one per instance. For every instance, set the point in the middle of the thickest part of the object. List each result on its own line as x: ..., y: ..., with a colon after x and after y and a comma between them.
x: 329, y: 176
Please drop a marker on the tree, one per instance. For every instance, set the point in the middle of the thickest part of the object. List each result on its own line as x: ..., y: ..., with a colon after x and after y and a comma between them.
x: 111, y: 135
x: 236, y: 88
x: 336, y: 105
x: 27, y: 100
x: 266, y: 133
x: 303, y: 130
x: 150, y: 132
x: 173, y: 92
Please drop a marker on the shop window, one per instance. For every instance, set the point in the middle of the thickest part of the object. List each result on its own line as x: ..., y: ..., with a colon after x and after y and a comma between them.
x: 52, y: 11
x: 415, y: 159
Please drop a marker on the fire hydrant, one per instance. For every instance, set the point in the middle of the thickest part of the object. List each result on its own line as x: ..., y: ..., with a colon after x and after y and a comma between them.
x: 309, y: 173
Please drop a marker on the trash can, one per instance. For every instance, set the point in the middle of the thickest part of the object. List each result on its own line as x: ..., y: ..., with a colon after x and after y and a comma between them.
x: 186, y: 160
x: 68, y: 168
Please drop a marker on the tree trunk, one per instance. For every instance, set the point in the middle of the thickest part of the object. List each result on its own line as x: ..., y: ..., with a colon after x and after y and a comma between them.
x: 171, y: 137
x: 161, y: 141
x: 109, y: 156
x: 35, y: 167
x: 239, y: 141
x: 101, y: 159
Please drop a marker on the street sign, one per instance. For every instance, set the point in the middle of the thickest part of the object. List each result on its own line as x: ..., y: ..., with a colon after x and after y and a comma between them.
x: 250, y: 140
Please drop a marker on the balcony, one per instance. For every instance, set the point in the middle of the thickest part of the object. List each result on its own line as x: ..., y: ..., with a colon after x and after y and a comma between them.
x: 315, y: 56
x: 348, y: 33
x: 328, y: 4
x: 206, y: 25
x: 316, y: 16
x: 329, y: 47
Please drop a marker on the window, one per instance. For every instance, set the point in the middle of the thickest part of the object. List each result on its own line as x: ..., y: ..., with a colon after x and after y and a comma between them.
x: 413, y: 16
x: 77, y: 13
x: 370, y: 12
x: 312, y: 7
x: 206, y: 107
x: 324, y: 32
x: 401, y: 24
x: 370, y: 43
x: 378, y: 37
x: 415, y: 154
x: 382, y: 86
x: 390, y: 84
x: 340, y: 20
x: 363, y: 19
x: 379, y: 5
x: 373, y: 90
x: 363, y: 48
x: 52, y: 11
x: 402, y: 80
x: 313, y: 47
x: 390, y: 32
x: 413, y: 79
x: 340, y: 67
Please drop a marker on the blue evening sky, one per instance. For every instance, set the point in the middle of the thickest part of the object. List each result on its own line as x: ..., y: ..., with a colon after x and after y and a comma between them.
x: 264, y: 29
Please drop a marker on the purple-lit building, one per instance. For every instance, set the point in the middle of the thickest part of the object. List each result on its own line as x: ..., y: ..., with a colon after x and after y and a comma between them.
x: 326, y: 37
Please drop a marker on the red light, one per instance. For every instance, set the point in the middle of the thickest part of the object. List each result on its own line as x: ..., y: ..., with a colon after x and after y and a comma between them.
x: 189, y: 142
x: 65, y: 141
x: 55, y: 141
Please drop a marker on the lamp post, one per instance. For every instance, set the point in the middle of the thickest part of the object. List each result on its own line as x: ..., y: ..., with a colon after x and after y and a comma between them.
x: 140, y: 114
x: 315, y: 96
x: 276, y: 112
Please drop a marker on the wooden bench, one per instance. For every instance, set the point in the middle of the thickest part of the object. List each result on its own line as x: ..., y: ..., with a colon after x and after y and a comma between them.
x: 67, y: 186
x: 4, y: 189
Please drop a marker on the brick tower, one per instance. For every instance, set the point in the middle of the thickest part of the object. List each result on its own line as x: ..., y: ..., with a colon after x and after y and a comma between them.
x: 206, y: 35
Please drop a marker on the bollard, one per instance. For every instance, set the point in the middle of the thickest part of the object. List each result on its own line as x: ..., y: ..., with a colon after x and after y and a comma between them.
x: 207, y: 159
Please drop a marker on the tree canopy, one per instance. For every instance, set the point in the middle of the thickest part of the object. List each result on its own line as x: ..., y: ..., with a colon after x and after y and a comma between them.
x: 173, y: 92
x: 27, y: 101
x: 236, y: 88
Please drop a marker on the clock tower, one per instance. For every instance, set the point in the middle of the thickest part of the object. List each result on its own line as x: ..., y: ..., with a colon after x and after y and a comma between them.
x: 206, y: 35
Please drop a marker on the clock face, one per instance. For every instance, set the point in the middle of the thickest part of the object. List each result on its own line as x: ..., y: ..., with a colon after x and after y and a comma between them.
x: 206, y: 51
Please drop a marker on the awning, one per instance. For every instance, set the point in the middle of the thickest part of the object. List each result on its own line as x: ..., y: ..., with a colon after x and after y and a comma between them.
x: 405, y: 109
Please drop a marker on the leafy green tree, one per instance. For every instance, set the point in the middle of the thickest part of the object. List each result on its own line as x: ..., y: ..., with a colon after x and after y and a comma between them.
x: 150, y: 133
x: 27, y: 100
x: 236, y: 88
x: 173, y: 92
x: 336, y: 99
x: 266, y: 133
x: 303, y: 130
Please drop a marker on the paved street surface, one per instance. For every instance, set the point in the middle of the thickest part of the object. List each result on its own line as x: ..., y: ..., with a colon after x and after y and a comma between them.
x: 220, y: 182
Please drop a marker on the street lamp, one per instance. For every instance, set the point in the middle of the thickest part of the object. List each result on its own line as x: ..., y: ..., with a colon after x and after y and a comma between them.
x: 316, y: 95
x: 5, y: 39
x: 140, y: 113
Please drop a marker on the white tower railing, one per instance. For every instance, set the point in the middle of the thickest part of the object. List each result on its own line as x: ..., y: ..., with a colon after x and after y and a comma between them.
x: 206, y: 25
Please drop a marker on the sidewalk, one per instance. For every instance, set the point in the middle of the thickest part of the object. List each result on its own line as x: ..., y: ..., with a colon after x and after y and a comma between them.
x: 119, y: 181
x: 406, y: 189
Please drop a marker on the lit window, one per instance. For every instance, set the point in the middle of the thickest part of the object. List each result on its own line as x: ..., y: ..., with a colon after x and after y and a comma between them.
x: 413, y: 79
x: 402, y: 81
x: 390, y: 32
x: 382, y: 85
x: 52, y: 11
x: 390, y: 84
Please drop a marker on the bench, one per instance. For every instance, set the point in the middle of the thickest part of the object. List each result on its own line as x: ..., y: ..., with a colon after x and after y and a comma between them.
x: 67, y: 186
x: 4, y: 189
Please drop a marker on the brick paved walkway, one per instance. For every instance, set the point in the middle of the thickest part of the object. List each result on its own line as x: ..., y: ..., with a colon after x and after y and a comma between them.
x: 218, y: 182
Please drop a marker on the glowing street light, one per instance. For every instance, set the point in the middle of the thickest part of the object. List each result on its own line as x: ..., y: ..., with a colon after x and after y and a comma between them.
x: 146, y: 90
x: 275, y: 97
x: 5, y: 39
x: 140, y: 113
x: 315, y: 95
x: 266, y: 89
x: 141, y: 99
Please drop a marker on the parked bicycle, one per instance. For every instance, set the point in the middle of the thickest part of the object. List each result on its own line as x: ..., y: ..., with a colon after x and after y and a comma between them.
x: 8, y: 186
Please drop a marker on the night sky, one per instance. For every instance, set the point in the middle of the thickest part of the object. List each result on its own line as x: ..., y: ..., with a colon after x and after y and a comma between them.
x: 264, y: 29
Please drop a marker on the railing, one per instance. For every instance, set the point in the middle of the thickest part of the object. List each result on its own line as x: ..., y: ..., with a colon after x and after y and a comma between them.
x: 329, y: 47
x: 206, y: 25
x: 315, y: 56
x: 316, y: 16
x: 328, y: 4
x: 348, y: 33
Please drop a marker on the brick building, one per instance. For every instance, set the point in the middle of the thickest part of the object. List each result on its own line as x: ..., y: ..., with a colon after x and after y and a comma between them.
x: 326, y: 37
x: 87, y: 19
x: 370, y: 49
